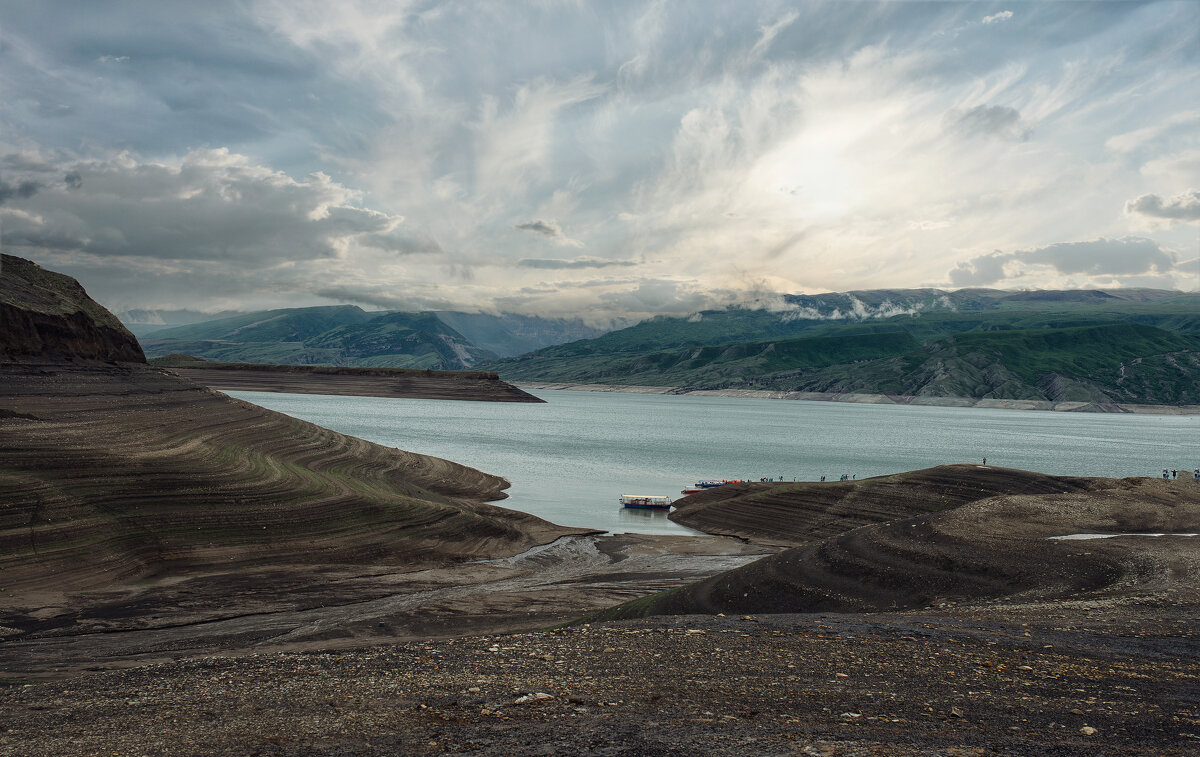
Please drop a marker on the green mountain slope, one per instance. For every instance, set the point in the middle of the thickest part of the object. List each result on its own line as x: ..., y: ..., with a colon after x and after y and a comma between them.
x: 1140, y: 346
x: 337, y: 335
x: 401, y: 340
x: 509, y: 334
x: 347, y: 335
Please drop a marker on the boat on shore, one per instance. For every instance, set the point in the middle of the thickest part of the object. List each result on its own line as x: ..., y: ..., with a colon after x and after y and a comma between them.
x: 700, y: 486
x: 646, y: 501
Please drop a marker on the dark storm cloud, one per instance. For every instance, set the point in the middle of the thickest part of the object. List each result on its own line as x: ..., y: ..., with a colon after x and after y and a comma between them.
x: 73, y: 180
x: 212, y: 205
x: 71, y: 71
x: 23, y: 190
x: 1099, y: 257
x: 1183, y: 207
x: 546, y: 228
x: 555, y: 263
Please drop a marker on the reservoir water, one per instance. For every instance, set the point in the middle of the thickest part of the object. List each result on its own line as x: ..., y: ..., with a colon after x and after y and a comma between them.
x: 570, y: 459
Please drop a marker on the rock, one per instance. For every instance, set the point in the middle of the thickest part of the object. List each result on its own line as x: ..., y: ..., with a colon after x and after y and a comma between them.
x: 1087, y: 730
x: 956, y: 713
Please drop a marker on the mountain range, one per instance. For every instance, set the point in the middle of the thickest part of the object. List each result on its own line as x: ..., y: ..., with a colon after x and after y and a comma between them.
x: 1098, y: 346
x: 347, y: 335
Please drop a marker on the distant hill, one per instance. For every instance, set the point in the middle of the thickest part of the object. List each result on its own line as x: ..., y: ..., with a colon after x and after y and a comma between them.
x: 347, y: 335
x: 509, y: 334
x: 1141, y: 346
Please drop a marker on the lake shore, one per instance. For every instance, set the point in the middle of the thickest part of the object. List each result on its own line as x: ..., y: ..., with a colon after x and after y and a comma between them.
x: 475, y: 386
x: 872, y: 399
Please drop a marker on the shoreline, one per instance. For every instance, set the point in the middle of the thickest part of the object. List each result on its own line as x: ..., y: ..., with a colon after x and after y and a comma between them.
x: 468, y: 386
x: 871, y: 399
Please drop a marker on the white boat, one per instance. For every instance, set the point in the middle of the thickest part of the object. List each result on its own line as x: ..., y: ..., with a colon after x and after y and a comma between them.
x: 646, y: 501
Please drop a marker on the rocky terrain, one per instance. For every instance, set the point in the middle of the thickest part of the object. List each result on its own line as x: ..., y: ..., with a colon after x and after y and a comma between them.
x: 114, y: 473
x: 1094, y: 677
x: 1026, y: 645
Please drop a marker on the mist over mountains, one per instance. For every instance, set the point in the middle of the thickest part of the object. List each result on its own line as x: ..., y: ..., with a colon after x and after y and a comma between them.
x: 348, y: 335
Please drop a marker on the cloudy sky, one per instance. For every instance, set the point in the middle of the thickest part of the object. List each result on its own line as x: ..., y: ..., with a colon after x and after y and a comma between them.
x: 607, y: 159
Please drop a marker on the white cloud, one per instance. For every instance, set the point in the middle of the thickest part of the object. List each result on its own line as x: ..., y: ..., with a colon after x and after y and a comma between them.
x: 1100, y: 259
x: 1183, y: 207
x: 1132, y: 140
x: 389, y: 149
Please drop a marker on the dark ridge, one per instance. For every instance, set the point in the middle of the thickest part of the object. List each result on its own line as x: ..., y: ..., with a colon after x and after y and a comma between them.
x: 797, y: 513
x: 982, y: 533
x: 117, y: 470
x: 48, y: 316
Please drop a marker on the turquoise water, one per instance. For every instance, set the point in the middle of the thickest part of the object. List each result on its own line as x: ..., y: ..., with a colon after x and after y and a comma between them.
x: 570, y: 459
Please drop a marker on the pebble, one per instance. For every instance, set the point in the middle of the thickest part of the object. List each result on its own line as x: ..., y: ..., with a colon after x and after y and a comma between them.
x: 1087, y: 730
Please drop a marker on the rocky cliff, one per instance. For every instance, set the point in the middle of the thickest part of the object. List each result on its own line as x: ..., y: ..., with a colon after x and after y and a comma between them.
x: 46, y: 315
x: 112, y: 469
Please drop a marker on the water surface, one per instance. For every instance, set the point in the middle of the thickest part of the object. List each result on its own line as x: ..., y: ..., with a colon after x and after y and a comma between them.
x: 570, y: 459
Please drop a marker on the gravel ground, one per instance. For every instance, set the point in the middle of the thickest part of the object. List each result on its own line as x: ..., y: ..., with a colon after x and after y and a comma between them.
x: 949, y: 684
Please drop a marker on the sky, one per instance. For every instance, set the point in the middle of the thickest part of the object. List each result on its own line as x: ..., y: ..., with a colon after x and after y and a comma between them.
x: 608, y: 160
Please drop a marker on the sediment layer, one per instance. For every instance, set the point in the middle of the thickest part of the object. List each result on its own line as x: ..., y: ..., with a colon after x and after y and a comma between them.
x: 985, y: 535
x: 791, y: 514
x: 121, y: 471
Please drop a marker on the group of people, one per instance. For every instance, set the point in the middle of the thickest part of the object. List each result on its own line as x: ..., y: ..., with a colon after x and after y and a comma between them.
x: 1170, y: 475
x: 844, y: 477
